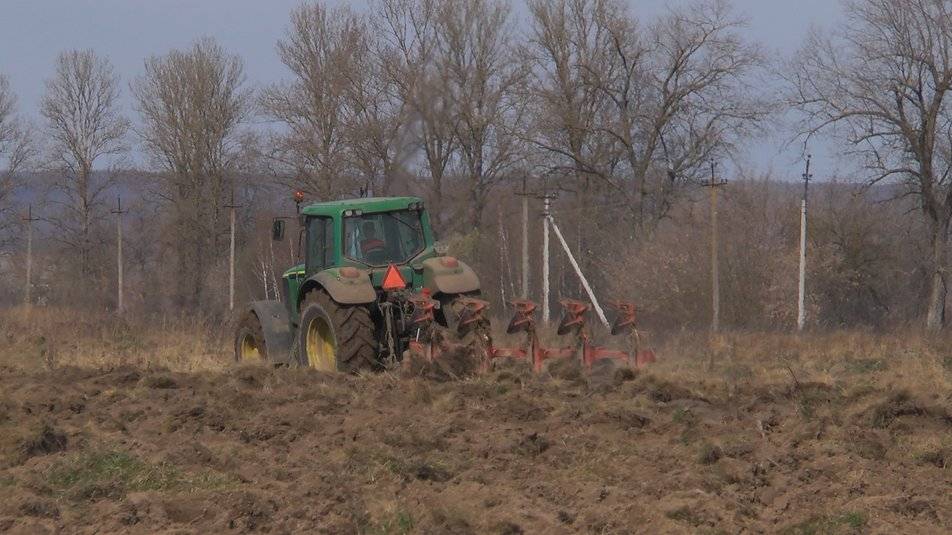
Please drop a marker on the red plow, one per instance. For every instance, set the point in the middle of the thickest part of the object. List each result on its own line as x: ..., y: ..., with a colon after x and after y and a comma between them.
x: 473, y: 322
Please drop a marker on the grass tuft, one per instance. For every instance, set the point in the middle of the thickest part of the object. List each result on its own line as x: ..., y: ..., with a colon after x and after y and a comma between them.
x: 398, y: 522
x: 106, y: 473
x: 846, y: 523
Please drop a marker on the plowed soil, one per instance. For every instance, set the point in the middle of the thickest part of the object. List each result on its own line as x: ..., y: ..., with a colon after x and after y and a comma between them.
x: 249, y: 450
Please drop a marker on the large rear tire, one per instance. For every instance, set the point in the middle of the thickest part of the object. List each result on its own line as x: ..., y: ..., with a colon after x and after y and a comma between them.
x: 250, y: 346
x: 336, y: 337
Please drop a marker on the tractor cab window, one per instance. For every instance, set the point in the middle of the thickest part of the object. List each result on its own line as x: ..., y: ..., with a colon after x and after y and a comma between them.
x: 384, y: 238
x: 320, y: 243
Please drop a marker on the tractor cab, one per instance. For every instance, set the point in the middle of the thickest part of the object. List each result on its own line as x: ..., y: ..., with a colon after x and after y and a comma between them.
x: 357, y: 241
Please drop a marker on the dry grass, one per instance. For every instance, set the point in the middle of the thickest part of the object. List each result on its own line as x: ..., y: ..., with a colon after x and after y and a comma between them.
x: 847, y: 359
x: 47, y: 338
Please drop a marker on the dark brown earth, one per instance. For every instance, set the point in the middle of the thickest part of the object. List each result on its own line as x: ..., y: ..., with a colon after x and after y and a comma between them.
x: 248, y: 450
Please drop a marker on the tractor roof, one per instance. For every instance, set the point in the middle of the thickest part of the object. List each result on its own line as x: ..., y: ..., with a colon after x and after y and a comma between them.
x: 372, y: 204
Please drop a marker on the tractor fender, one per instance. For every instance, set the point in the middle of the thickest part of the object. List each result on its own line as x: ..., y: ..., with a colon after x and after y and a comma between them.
x: 276, y: 328
x: 447, y: 275
x: 346, y: 291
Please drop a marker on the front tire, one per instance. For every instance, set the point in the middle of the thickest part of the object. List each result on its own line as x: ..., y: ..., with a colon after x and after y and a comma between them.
x: 250, y: 346
x: 334, y: 337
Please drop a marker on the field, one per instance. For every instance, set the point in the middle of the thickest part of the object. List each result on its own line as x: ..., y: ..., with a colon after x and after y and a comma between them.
x: 148, y: 428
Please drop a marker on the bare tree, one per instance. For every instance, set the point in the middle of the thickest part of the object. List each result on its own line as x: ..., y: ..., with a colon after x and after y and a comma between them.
x: 193, y: 103
x: 643, y: 110
x: 564, y: 35
x: 408, y: 33
x: 15, y: 151
x: 313, y: 150
x: 481, y: 74
x: 376, y: 117
x: 83, y: 124
x: 881, y: 81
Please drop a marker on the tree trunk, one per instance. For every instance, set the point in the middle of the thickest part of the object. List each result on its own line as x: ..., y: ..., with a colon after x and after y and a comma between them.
x: 935, y: 318
x: 476, y: 204
x: 436, y: 197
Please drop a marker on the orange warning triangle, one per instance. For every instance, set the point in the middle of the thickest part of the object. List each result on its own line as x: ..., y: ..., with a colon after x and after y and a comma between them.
x: 393, y: 280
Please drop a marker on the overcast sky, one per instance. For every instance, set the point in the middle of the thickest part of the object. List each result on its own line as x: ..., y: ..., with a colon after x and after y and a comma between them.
x: 33, y: 32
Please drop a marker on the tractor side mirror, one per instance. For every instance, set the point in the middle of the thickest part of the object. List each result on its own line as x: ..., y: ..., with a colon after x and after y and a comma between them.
x: 277, y: 230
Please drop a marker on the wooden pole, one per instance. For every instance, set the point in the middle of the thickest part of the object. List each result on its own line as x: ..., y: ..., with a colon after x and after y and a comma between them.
x: 715, y: 276
x: 29, y: 255
x: 119, y: 272
x: 231, y: 257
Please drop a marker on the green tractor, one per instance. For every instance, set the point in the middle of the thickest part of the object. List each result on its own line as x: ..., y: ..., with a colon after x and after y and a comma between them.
x: 349, y: 306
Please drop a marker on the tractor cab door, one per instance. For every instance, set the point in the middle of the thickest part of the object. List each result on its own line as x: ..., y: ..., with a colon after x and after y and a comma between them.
x: 319, y: 254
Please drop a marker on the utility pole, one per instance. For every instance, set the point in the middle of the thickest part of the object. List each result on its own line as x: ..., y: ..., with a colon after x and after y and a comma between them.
x: 231, y: 259
x: 525, y: 240
x: 119, y: 211
x: 504, y: 258
x: 715, y: 276
x: 29, y: 255
x: 801, y: 309
x: 546, y: 211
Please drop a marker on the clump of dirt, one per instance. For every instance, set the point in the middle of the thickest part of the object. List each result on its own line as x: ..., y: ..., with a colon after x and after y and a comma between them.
x: 565, y: 369
x: 39, y: 439
x: 441, y: 363
x: 901, y: 404
x: 162, y: 382
x: 709, y: 453
x: 39, y: 508
x: 531, y: 445
x: 664, y: 391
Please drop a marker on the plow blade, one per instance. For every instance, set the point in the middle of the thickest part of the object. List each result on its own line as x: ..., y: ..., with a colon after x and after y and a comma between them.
x: 624, y: 321
x: 573, y: 316
x: 522, y: 319
x: 471, y: 315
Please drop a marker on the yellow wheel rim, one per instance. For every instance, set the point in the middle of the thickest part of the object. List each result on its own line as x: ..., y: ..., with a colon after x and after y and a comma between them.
x: 249, y: 352
x: 320, y: 346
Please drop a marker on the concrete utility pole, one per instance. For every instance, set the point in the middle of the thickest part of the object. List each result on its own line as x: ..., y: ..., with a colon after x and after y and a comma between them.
x: 231, y: 262
x: 119, y: 211
x: 801, y: 309
x: 29, y: 254
x: 715, y: 276
x: 504, y: 258
x: 525, y: 240
x: 546, y: 207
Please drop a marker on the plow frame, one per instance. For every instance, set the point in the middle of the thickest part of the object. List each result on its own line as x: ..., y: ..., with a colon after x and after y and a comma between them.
x: 574, y: 321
